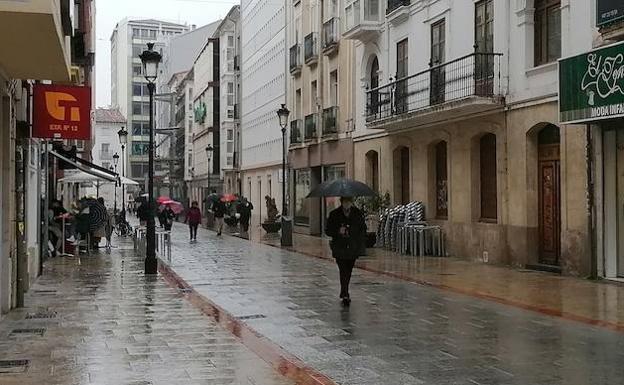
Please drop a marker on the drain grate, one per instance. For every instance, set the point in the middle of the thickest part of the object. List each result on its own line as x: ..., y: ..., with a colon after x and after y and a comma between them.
x: 14, y: 366
x: 367, y: 283
x: 45, y: 291
x: 253, y: 316
x: 37, y: 331
x: 41, y: 315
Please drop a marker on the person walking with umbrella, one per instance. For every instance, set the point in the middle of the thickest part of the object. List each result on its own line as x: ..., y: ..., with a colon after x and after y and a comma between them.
x: 244, y: 209
x: 346, y: 226
x: 193, y: 218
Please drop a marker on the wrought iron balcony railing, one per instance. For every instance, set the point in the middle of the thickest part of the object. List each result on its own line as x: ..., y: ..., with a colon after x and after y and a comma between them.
x: 310, y: 127
x: 477, y: 74
x: 330, y: 121
x: 296, y: 127
x: 310, y: 48
x: 295, y: 58
x: 331, y: 34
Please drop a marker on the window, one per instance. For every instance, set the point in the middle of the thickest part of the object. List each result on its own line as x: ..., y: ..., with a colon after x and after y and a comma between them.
x: 438, y: 56
x: 230, y: 94
x: 547, y: 31
x: 488, y: 180
x: 402, y: 69
x: 230, y: 147
x: 302, y: 189
x: 140, y: 147
x: 140, y: 108
x: 105, y: 148
x: 140, y: 128
x: 137, y: 70
x: 484, y: 26
x: 138, y: 169
x: 313, y: 96
x: 230, y: 41
x: 136, y: 32
x: 441, y: 181
x: 230, y: 134
x: 333, y: 88
x: 137, y: 50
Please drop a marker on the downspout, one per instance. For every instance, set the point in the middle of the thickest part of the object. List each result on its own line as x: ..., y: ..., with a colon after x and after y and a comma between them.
x: 591, y: 217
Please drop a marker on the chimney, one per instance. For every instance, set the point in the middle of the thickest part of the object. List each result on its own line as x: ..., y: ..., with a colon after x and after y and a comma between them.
x: 193, y: 27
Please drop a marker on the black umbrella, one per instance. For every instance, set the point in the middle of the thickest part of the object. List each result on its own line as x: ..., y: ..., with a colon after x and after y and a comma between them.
x: 97, y: 214
x: 342, y: 188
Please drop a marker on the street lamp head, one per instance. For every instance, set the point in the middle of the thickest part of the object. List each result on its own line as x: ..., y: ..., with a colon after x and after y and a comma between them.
x: 150, y: 60
x: 209, y: 150
x: 111, y: 168
x: 123, y: 136
x: 115, y: 159
x: 283, y: 114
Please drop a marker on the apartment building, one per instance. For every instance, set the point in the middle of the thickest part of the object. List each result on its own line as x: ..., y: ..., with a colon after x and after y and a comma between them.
x: 129, y: 92
x: 320, y: 93
x: 458, y: 108
x: 174, y: 109
x: 228, y: 34
x: 206, y: 132
x: 263, y: 87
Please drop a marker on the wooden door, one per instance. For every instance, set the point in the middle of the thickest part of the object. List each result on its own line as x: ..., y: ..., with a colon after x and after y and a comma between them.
x: 549, y: 205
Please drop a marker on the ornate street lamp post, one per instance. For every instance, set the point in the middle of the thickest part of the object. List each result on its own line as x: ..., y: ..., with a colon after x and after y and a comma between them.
x: 150, y: 60
x: 123, y: 140
x: 286, y: 238
x: 115, y: 161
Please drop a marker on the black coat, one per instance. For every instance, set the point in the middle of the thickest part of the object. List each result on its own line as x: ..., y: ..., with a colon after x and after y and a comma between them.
x: 353, y: 244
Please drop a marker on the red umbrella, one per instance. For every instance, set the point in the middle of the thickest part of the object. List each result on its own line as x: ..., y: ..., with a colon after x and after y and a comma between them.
x: 177, y: 207
x: 229, y: 198
x: 162, y: 199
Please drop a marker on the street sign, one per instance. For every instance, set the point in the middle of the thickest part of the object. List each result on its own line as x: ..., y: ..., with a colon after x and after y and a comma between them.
x: 61, y: 112
x: 591, y: 85
x: 608, y: 11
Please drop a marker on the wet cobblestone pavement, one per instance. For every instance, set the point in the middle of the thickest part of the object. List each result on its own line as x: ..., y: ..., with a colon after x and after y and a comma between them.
x: 395, y: 332
x: 107, y: 324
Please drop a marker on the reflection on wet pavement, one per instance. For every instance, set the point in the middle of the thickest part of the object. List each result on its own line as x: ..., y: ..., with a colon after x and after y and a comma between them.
x: 395, y: 332
x: 105, y: 323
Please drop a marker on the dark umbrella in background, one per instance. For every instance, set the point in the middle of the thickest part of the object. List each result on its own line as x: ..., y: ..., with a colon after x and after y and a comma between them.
x: 341, y: 188
x: 97, y: 214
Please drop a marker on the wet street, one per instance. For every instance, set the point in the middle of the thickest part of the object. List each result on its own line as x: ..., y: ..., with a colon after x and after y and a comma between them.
x: 98, y: 320
x: 395, y: 332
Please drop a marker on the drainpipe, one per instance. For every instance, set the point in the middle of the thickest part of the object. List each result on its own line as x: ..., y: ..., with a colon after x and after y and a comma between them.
x: 591, y: 228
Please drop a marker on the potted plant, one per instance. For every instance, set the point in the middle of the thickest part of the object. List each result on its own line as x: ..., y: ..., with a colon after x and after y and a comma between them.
x: 271, y: 225
x: 371, y: 208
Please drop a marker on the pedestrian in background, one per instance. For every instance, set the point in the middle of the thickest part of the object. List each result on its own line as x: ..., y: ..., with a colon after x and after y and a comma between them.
x: 244, y: 209
x: 347, y: 228
x: 193, y: 218
x: 168, y: 216
x: 219, y: 210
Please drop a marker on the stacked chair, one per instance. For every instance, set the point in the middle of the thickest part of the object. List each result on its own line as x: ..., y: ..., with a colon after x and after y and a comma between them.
x: 403, y: 229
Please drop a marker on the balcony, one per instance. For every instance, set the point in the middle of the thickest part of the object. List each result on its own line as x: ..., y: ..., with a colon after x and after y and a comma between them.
x: 310, y: 49
x: 34, y: 41
x: 331, y: 35
x: 468, y: 85
x: 330, y: 122
x: 363, y: 20
x: 310, y: 127
x: 296, y: 127
x: 397, y: 11
x: 295, y: 59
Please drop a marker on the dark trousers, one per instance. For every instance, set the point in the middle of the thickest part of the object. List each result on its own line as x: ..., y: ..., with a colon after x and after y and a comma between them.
x: 193, y: 230
x: 345, y: 266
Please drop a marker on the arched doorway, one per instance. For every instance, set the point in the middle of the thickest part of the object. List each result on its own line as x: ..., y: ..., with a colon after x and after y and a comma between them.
x: 372, y: 170
x: 401, y: 175
x: 549, y: 190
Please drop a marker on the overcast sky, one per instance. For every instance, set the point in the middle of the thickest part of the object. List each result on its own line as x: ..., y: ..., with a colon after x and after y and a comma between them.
x: 109, y: 12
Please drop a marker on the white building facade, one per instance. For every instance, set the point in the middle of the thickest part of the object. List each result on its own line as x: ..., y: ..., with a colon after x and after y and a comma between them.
x: 108, y: 122
x: 263, y: 82
x: 458, y: 109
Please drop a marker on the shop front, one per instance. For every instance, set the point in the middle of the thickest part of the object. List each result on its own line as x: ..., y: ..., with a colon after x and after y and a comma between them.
x: 591, y: 88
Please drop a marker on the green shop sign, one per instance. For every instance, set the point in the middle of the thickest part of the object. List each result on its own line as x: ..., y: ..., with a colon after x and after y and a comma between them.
x: 591, y: 85
x: 200, y: 112
x: 608, y: 11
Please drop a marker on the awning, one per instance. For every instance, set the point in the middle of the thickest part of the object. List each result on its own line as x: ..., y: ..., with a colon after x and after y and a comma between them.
x: 88, y: 167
